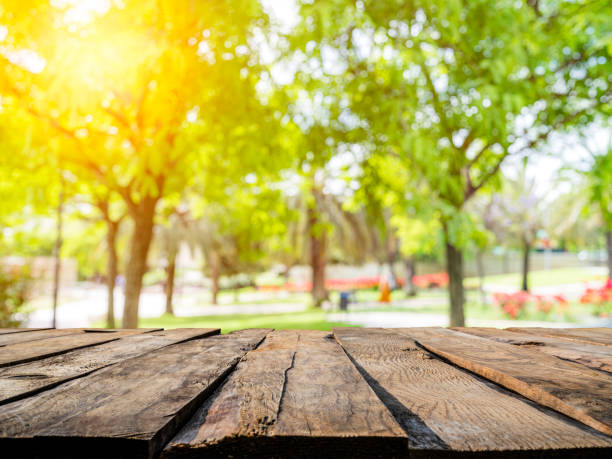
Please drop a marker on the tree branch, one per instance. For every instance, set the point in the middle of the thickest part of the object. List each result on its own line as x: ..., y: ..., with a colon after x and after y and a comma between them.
x: 471, y: 189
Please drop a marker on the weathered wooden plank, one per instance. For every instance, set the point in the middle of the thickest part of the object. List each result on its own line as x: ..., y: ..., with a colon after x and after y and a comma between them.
x: 29, y: 378
x: 590, y: 355
x: 598, y: 336
x: 28, y: 351
x: 444, y: 409
x: 35, y: 335
x: 4, y: 331
x: 130, y: 409
x: 570, y: 388
x: 296, y: 394
x: 16, y: 338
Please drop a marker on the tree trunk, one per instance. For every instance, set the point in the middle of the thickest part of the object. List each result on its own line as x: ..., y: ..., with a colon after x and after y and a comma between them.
x: 111, y: 271
x: 170, y: 270
x: 609, y: 247
x: 391, y: 258
x: 215, y: 278
x: 317, y: 258
x: 480, y: 268
x: 454, y: 266
x: 57, y: 251
x: 525, y: 272
x: 409, y: 286
x: 142, y: 215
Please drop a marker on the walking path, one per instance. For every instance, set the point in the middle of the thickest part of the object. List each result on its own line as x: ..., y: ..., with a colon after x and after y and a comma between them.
x: 86, y: 305
x: 90, y: 307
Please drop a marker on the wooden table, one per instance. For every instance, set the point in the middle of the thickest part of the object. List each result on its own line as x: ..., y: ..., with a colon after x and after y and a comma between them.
x: 418, y: 392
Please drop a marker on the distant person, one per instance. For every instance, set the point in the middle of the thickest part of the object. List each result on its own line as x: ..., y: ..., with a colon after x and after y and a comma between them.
x: 385, y: 291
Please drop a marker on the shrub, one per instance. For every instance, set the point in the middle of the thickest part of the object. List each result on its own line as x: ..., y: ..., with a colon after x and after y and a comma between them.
x: 14, y: 292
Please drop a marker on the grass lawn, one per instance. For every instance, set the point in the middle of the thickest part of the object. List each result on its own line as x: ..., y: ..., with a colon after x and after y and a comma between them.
x: 249, y: 295
x: 543, y: 278
x: 313, y: 319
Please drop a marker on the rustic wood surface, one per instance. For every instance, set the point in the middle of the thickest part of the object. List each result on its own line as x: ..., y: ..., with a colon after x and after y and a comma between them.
x: 16, y: 338
x: 5, y: 331
x: 35, y: 335
x: 580, y: 393
x: 442, y: 407
x: 296, y: 391
x: 599, y: 336
x: 14, y: 354
x: 55, y: 344
x: 590, y: 355
x: 26, y: 379
x: 420, y: 392
x: 134, y: 406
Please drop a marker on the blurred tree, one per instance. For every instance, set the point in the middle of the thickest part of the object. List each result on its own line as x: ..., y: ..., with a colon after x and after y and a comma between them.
x: 172, y: 233
x: 235, y: 233
x: 144, y: 89
x: 452, y: 88
x: 580, y: 216
x: 600, y: 187
x: 404, y: 222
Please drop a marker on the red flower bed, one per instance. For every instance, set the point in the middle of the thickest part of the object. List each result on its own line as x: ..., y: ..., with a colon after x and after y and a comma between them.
x: 353, y: 284
x: 515, y: 305
x: 599, y: 298
x: 365, y: 282
x: 431, y: 280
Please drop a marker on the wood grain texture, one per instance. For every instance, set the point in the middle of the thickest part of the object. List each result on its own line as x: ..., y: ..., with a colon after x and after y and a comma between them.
x: 296, y: 395
x: 444, y: 409
x: 597, y: 336
x: 29, y: 378
x: 36, y: 335
x: 130, y: 409
x: 570, y: 388
x: 16, y: 338
x: 28, y: 351
x: 590, y: 355
x: 4, y: 331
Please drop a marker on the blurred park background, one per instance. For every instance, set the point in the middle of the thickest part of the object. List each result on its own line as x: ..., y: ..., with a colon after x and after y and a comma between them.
x: 305, y: 164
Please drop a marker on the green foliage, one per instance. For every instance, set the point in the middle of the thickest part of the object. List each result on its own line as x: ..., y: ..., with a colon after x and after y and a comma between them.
x: 600, y: 183
x: 453, y: 88
x: 14, y: 291
x: 237, y: 230
x: 83, y: 241
x: 150, y: 109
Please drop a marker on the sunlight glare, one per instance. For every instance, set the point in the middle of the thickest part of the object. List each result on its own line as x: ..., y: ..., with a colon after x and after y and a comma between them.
x: 82, y: 11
